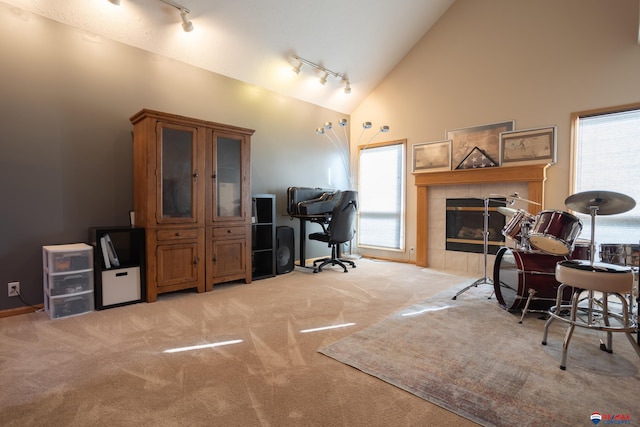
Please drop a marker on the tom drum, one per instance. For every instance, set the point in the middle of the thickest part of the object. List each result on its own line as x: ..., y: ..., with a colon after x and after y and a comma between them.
x: 581, y: 250
x: 516, y: 271
x: 554, y: 232
x: 514, y: 227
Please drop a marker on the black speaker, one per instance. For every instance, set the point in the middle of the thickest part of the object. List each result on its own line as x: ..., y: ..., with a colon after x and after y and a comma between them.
x: 285, y: 249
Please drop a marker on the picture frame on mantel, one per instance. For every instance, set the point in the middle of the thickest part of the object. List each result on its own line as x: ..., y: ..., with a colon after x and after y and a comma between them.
x: 485, y: 137
x: 529, y: 146
x: 432, y: 156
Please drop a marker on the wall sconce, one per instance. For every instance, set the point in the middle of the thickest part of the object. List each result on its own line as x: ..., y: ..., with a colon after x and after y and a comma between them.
x: 326, y: 71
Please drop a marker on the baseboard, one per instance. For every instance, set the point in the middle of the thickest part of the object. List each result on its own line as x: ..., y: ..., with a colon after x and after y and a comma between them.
x: 20, y: 310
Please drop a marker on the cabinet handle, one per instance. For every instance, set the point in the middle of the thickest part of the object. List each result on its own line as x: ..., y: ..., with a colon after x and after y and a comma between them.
x: 214, y: 175
x: 229, y: 230
x: 195, y: 260
x: 215, y: 258
x: 178, y: 234
x: 195, y: 175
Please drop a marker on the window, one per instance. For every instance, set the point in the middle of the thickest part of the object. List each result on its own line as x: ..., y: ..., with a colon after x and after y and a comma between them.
x: 381, y: 193
x: 606, y: 155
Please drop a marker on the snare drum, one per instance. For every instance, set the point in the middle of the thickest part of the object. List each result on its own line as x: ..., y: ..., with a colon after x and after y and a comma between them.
x: 554, y: 232
x: 620, y: 254
x: 514, y: 227
x: 516, y: 271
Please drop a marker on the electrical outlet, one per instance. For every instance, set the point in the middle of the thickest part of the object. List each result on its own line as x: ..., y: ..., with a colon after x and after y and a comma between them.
x: 14, y: 289
x: 411, y: 250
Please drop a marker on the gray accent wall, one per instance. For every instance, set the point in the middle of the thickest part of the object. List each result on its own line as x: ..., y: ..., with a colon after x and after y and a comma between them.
x: 66, y: 141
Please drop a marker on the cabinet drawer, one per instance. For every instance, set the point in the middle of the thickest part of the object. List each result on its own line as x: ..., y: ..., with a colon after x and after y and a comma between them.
x: 71, y: 283
x: 229, y: 232
x: 177, y: 234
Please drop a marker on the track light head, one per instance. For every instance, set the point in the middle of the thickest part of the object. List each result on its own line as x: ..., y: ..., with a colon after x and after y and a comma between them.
x: 116, y: 2
x: 297, y: 68
x: 187, y: 25
x: 347, y: 86
x: 384, y: 128
x: 324, y: 78
x: 366, y: 125
x: 342, y: 122
x: 328, y: 125
x: 320, y: 131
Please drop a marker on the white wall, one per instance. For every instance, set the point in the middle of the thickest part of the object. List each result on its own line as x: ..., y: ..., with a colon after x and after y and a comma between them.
x: 488, y: 61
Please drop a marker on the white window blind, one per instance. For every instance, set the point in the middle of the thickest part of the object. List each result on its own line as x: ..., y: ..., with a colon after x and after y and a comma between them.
x: 381, y: 189
x: 607, y: 157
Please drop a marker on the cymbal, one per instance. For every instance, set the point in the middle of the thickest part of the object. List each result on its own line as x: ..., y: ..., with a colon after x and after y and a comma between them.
x: 507, y: 211
x: 607, y: 202
x: 516, y: 197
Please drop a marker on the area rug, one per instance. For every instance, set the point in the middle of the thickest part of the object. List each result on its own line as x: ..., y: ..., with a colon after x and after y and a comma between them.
x: 475, y: 359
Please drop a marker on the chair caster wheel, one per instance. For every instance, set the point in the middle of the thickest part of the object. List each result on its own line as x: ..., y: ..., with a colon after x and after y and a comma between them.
x: 544, y: 343
x: 564, y: 368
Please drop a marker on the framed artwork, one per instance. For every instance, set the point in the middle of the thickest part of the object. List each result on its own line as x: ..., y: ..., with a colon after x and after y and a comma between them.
x: 528, y: 146
x: 485, y: 137
x: 432, y: 156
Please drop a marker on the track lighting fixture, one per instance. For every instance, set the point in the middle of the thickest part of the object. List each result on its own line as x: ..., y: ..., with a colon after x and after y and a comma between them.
x: 116, y: 2
x: 366, y: 125
x: 187, y: 25
x: 326, y: 72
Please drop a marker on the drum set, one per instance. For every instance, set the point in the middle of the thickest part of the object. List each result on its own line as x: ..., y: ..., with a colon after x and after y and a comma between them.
x: 524, y: 276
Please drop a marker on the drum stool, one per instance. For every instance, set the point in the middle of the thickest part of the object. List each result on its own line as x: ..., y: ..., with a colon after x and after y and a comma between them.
x: 604, y: 279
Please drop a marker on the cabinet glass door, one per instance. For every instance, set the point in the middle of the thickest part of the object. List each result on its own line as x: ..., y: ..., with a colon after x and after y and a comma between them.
x: 178, y: 175
x: 228, y: 171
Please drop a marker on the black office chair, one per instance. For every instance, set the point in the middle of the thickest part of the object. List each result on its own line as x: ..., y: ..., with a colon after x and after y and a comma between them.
x: 341, y: 229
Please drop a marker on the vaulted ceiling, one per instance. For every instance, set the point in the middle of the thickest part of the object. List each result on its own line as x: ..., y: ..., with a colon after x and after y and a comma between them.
x: 254, y: 40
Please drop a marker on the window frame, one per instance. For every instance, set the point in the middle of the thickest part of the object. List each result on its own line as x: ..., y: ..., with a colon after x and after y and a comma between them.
x: 575, y: 123
x: 403, y: 194
x: 576, y: 117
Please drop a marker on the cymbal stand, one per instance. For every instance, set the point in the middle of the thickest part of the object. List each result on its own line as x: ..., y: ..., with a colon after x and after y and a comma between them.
x: 593, y: 211
x: 484, y: 280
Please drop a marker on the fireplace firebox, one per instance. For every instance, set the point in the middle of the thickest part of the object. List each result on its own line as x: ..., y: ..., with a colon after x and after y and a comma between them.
x: 465, y: 225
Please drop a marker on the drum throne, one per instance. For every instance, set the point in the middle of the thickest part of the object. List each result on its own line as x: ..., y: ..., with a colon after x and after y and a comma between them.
x: 594, y: 285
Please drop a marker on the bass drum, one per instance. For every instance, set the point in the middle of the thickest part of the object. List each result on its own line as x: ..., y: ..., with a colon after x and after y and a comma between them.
x: 516, y: 271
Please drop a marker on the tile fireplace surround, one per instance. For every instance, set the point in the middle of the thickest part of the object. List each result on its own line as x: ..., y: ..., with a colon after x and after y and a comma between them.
x: 434, y: 188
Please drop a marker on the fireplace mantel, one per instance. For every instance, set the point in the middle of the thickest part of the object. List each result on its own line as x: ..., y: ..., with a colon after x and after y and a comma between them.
x: 534, y: 175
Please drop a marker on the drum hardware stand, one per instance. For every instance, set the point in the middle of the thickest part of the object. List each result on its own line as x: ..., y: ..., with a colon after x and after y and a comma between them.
x: 532, y: 292
x: 485, y: 246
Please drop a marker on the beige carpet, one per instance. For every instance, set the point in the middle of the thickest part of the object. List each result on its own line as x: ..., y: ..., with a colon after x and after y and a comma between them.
x: 474, y: 358
x: 108, y: 368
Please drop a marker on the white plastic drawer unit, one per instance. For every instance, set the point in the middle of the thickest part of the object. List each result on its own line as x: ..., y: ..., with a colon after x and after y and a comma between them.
x: 66, y: 258
x: 68, y: 283
x: 68, y: 279
x: 68, y: 305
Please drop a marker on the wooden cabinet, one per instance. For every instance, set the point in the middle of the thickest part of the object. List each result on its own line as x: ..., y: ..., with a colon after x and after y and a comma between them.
x: 192, y: 194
